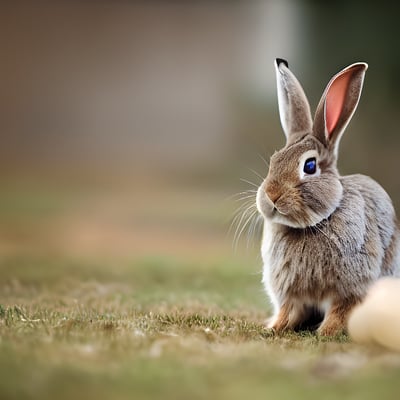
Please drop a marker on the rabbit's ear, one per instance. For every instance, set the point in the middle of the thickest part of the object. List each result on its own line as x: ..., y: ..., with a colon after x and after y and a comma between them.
x: 338, y: 103
x: 294, y: 109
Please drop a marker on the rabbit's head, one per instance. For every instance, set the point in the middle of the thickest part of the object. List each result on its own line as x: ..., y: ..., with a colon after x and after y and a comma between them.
x: 302, y: 187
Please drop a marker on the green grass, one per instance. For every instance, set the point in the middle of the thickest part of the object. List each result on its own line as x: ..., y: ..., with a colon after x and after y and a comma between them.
x: 163, y: 329
x: 150, y: 327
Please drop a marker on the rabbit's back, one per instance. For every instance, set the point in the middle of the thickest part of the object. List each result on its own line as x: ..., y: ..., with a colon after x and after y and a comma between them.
x: 381, y: 222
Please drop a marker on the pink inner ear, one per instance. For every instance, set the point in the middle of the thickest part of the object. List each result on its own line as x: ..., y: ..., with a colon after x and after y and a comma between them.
x: 335, y: 100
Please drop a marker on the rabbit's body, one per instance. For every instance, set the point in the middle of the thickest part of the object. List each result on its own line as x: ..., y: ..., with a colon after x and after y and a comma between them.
x: 326, y: 238
x: 336, y: 260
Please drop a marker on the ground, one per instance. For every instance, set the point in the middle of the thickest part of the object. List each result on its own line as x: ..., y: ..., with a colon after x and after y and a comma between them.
x: 106, y: 295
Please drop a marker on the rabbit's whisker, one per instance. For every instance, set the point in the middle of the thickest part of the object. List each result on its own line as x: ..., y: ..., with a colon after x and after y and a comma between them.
x: 250, y: 183
x: 240, y: 213
x: 245, y: 223
x: 257, y: 174
x: 265, y: 161
x: 245, y: 192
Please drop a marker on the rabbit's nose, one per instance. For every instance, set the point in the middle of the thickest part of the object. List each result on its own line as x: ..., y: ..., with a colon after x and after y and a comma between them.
x: 272, y: 194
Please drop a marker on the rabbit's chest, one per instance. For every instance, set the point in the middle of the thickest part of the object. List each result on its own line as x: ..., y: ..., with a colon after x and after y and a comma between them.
x: 294, y: 266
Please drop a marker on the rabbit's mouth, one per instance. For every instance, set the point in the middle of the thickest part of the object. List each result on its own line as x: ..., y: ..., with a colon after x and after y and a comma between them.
x: 280, y: 216
x: 276, y: 212
x: 269, y: 209
x: 285, y: 215
x: 282, y: 210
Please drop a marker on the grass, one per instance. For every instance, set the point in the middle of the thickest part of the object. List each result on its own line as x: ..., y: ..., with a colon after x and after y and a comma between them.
x: 95, y: 324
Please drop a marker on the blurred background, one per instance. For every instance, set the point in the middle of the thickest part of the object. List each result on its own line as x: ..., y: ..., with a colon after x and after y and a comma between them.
x: 126, y: 125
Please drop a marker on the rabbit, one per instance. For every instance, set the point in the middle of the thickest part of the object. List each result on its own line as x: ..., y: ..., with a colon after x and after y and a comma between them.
x: 326, y: 237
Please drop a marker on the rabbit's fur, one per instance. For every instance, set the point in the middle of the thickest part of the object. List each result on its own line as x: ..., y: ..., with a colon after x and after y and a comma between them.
x: 327, y: 238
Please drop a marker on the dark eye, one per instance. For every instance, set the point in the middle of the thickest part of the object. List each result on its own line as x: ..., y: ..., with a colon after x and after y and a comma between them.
x: 310, y: 166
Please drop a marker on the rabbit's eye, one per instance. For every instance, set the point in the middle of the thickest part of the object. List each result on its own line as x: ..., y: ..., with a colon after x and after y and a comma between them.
x: 310, y: 166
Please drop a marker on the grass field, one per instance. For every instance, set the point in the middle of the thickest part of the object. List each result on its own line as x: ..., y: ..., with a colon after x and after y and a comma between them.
x: 107, y: 295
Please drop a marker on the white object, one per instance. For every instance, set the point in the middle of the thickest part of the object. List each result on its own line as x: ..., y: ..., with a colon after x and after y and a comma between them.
x: 377, y: 318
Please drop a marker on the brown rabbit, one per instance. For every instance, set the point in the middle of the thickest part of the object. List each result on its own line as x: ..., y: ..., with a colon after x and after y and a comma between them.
x: 326, y: 237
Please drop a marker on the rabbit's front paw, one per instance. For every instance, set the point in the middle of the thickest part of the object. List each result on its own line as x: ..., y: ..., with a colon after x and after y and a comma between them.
x: 336, y: 319
x: 287, y: 318
x: 331, y: 329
